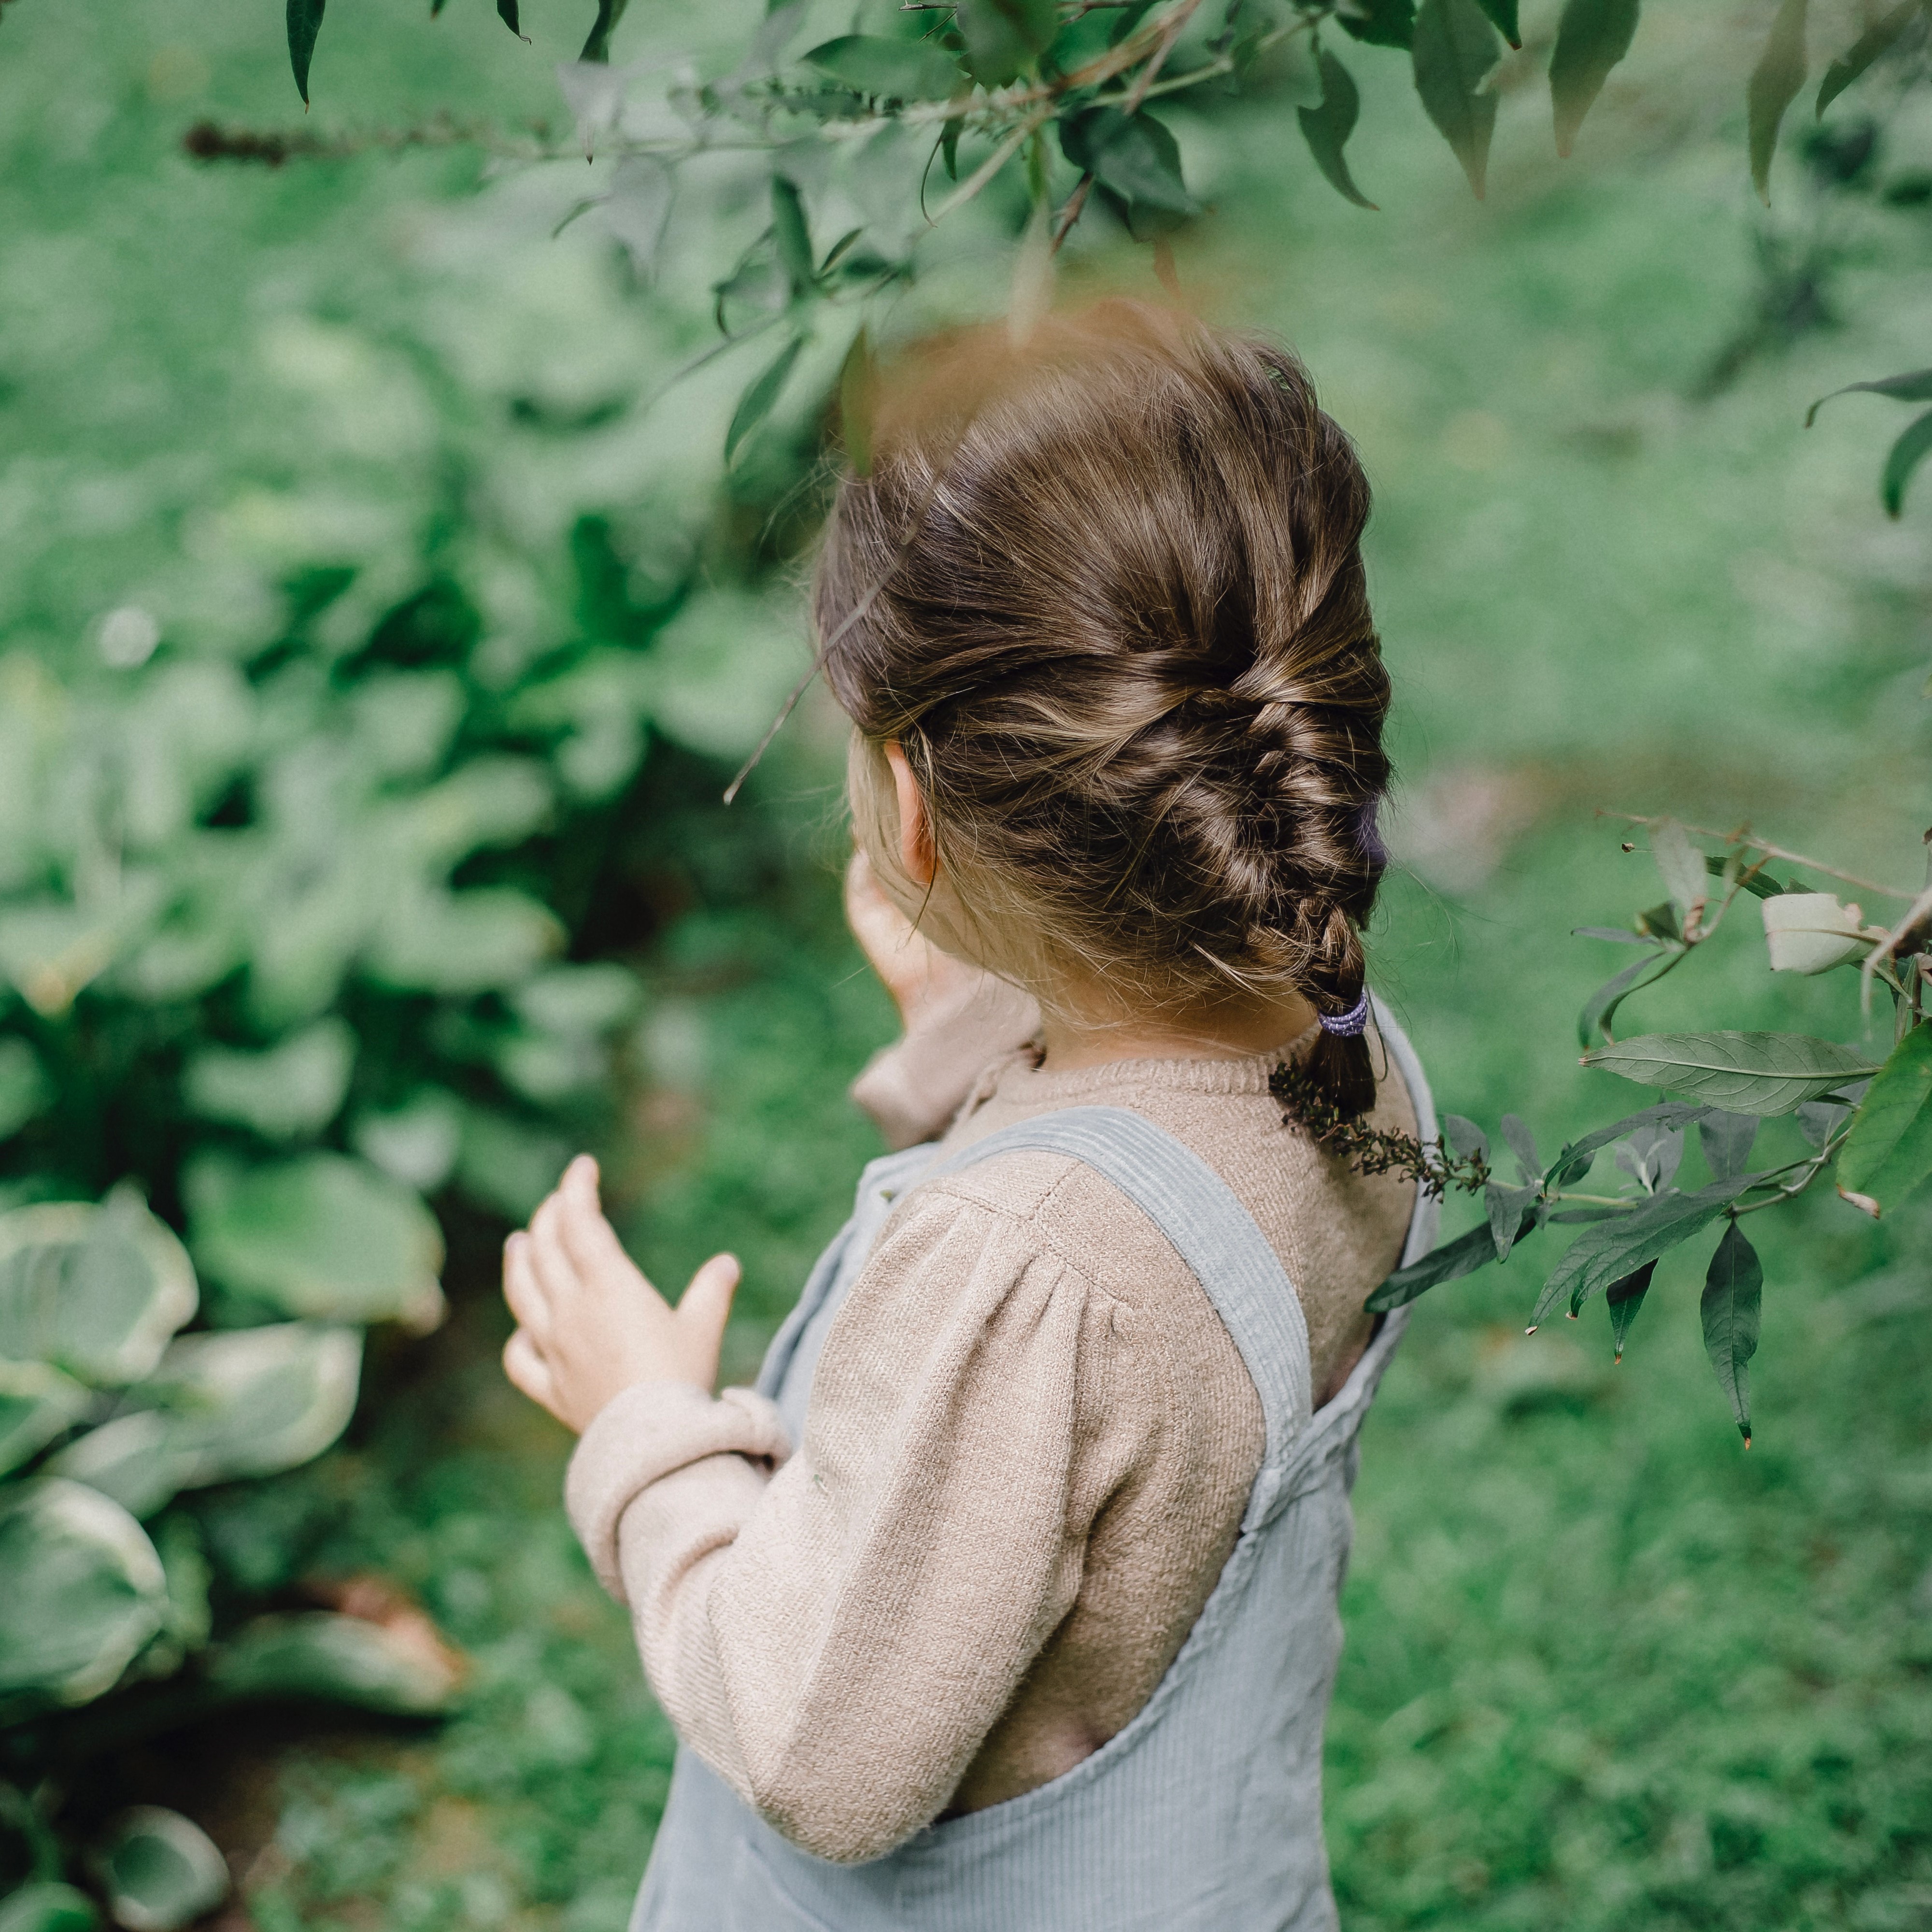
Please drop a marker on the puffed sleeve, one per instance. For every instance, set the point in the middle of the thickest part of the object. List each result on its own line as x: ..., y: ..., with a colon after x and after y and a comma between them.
x: 836, y: 1633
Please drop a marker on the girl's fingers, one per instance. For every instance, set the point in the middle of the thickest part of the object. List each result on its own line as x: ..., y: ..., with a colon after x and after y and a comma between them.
x: 705, y: 1304
x: 521, y: 1290
x: 528, y: 1373
x: 556, y: 1272
x: 587, y: 1235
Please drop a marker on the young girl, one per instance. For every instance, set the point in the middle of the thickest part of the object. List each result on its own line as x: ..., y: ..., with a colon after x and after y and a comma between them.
x: 1008, y: 1602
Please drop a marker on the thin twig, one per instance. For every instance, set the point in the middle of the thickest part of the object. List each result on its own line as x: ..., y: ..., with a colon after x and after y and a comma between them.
x: 1744, y: 836
x: 968, y: 188
x: 1070, y: 214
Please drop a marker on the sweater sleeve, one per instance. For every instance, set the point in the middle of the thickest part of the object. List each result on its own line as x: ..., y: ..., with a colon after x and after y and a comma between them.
x: 837, y: 1635
x: 914, y: 1086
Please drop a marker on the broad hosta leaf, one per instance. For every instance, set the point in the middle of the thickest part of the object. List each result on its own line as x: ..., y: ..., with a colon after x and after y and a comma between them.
x: 1133, y: 155
x: 1773, y: 86
x: 1449, y: 1262
x: 1728, y: 1140
x: 160, y: 1871
x: 252, y: 1401
x: 1914, y: 386
x: 1811, y: 931
x: 304, y: 23
x: 97, y: 1291
x: 342, y: 1660
x: 1327, y: 128
x: 758, y: 400
x: 1573, y: 1163
x: 25, y: 1091
x: 1743, y: 1072
x: 48, y: 1907
x: 1905, y: 455
x: 37, y: 1403
x: 1455, y: 48
x: 483, y: 940
x: 296, y: 1088
x: 417, y: 1143
x: 1732, y: 1301
x: 895, y: 70
x: 1610, y: 1250
x: 580, y: 1002
x: 1624, y: 1298
x: 1591, y: 37
x: 1888, y: 1151
x: 85, y: 1590
x: 326, y: 1238
x: 1381, y: 23
x: 1003, y: 37
x: 1869, y: 47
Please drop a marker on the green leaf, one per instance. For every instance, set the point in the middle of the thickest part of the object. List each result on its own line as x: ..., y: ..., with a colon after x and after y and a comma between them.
x: 1327, y: 128
x: 160, y: 1871
x: 1758, y: 885
x: 1573, y: 1163
x: 339, y: 1659
x: 888, y: 69
x: 1685, y: 875
x: 1906, y: 454
x: 1731, y: 1305
x: 85, y: 1590
x: 1455, y: 49
x: 1623, y: 1298
x: 1592, y: 37
x: 1610, y: 1250
x: 949, y: 148
x: 1522, y: 1144
x: 1728, y: 1139
x: 1381, y: 23
x: 25, y: 1091
x: 1617, y: 935
x: 598, y: 46
x: 1773, y: 86
x: 97, y: 1291
x: 792, y: 234
x: 325, y: 1238
x: 1468, y: 1140
x: 1888, y: 1151
x: 1914, y: 386
x: 1509, y: 1216
x: 487, y: 939
x: 1600, y: 1008
x: 48, y: 1907
x: 1449, y: 1262
x: 858, y: 379
x: 1502, y: 15
x: 305, y: 22
x: 506, y: 12
x: 1133, y: 155
x: 1869, y: 46
x: 1004, y: 37
x: 756, y: 404
x: 37, y: 1403
x: 1745, y: 1073
x: 296, y: 1088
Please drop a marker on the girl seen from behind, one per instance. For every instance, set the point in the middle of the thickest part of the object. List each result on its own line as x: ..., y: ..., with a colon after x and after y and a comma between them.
x: 1007, y: 1601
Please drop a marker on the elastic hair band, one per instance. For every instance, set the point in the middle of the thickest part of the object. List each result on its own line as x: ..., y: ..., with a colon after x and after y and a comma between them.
x: 1350, y: 1024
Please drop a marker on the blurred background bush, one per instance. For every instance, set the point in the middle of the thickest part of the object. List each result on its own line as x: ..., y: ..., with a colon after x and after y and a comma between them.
x: 379, y: 627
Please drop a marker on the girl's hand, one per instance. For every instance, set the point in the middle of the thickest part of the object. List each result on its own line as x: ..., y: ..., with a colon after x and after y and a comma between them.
x: 590, y: 1325
x: 917, y: 975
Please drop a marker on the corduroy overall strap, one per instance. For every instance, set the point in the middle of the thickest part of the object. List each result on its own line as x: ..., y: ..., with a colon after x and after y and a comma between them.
x: 1211, y: 1230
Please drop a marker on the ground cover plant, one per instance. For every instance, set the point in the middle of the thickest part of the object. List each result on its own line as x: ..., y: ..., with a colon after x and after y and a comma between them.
x: 1603, y: 1669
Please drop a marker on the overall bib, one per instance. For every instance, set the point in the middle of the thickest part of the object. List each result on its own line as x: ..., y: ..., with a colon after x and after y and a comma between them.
x: 1204, y: 1813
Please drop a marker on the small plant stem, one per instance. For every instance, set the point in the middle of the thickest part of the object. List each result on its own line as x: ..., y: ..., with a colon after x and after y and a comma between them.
x: 969, y: 188
x: 1743, y: 836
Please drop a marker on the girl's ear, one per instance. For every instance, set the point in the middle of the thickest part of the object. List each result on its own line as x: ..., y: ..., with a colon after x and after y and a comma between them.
x: 917, y: 858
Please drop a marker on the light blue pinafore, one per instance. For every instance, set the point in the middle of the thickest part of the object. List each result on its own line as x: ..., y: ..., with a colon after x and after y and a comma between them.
x: 1204, y: 1813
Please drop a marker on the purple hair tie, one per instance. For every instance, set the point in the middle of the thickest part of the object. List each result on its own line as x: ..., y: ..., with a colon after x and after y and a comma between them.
x: 1350, y: 1024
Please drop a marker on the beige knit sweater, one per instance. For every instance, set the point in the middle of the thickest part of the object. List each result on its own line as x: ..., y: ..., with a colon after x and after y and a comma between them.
x: 1030, y: 1445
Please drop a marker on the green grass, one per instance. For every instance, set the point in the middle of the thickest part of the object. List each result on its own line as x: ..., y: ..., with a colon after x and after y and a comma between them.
x: 1605, y: 1669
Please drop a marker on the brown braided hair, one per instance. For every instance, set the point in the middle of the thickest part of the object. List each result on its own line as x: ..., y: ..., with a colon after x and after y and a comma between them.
x: 1107, y: 592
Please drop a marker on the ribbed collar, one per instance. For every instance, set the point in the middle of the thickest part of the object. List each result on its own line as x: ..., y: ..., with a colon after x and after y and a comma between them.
x: 1021, y: 1081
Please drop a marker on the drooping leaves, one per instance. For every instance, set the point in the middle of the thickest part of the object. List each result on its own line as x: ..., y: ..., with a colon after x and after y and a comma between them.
x: 1870, y: 45
x: 1502, y: 15
x: 37, y: 1403
x: 506, y: 12
x: 791, y: 235
x: 1134, y: 155
x: 758, y: 401
x: 1728, y: 1139
x: 597, y: 47
x: 1326, y: 129
x: 1004, y: 37
x: 160, y: 1871
x: 1682, y: 866
x: 1509, y: 1215
x: 1730, y: 1306
x: 1608, y: 1250
x: 857, y: 386
x: 871, y: 65
x: 1592, y: 37
x: 1623, y: 1298
x: 1903, y: 458
x: 1914, y: 386
x: 1463, y: 1134
x: 1455, y: 48
x: 318, y: 1654
x: 1522, y: 1144
x: 1573, y: 1163
x: 304, y: 23
x: 1449, y: 1262
x: 1746, y: 1073
x: 1773, y: 86
x: 1600, y: 1008
x: 1888, y: 1151
x: 1381, y: 23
